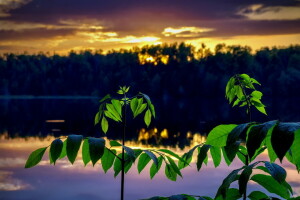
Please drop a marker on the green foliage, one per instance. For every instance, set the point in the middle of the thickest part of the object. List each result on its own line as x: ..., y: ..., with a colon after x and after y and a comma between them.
x: 73, y: 145
x: 35, y: 157
x: 56, y: 149
x: 236, y: 93
x: 281, y: 139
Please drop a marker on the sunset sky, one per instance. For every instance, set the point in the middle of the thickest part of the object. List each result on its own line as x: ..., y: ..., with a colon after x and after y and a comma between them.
x: 62, y: 25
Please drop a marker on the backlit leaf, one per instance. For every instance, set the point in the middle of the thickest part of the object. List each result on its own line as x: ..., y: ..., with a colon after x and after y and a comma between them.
x: 155, y: 167
x: 105, y: 98
x: 147, y: 117
x: 283, y: 137
x: 73, y: 145
x: 218, y: 136
x: 256, y: 136
x: 86, y: 152
x: 216, y: 155
x: 96, y: 147
x: 152, y: 156
x: 144, y: 159
x: 270, y: 184
x: 117, y: 105
x: 277, y: 172
x: 64, y: 150
x: 174, y: 166
x: 202, y: 155
x: 104, y: 124
x: 226, y: 183
x: 56, y: 149
x: 35, y: 157
x: 170, y: 173
x: 108, y: 159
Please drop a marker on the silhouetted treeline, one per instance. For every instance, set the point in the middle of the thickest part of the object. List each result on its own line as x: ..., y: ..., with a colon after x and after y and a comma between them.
x: 186, y: 85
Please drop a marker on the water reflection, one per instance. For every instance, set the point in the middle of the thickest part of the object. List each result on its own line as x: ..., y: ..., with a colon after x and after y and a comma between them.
x: 66, y: 181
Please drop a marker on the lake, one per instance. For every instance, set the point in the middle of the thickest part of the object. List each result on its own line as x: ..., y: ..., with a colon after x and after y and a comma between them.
x: 26, y: 125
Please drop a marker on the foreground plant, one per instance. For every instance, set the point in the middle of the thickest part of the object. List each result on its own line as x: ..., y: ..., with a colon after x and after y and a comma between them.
x: 280, y: 139
x: 108, y: 152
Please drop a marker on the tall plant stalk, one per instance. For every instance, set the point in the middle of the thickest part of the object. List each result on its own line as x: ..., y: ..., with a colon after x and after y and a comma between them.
x: 123, y: 151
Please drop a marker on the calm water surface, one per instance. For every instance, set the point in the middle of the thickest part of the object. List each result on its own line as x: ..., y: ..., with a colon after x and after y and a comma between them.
x: 26, y: 125
x: 66, y: 181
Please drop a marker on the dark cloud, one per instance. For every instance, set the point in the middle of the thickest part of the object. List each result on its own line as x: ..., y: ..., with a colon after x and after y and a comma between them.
x: 33, y: 34
x: 141, y: 18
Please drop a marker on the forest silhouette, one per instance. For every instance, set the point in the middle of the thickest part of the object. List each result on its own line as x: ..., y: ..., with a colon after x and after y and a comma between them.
x: 186, y: 84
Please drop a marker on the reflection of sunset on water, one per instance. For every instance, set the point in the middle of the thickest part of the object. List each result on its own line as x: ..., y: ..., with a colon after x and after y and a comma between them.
x: 74, y: 180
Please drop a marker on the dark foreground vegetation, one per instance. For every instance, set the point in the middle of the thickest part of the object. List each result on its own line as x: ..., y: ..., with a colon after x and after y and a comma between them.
x: 186, y: 85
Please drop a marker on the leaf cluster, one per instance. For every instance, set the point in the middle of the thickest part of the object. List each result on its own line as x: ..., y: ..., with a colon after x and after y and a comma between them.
x: 241, y: 91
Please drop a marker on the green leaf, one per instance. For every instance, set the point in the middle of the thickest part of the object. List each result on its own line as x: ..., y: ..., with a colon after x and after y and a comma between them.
x: 295, y: 150
x: 271, y: 153
x: 229, y: 86
x: 187, y: 160
x: 257, y: 195
x: 114, y: 143
x: 140, y: 109
x: 216, y: 155
x: 86, y: 152
x: 254, y: 81
x: 283, y: 137
x: 96, y: 147
x: 232, y: 143
x: 155, y: 167
x: 242, y: 154
x: 147, y: 117
x: 227, y: 160
x: 130, y: 153
x: 73, y: 145
x: 202, y: 155
x: 236, y: 102
x: 111, y: 109
x: 56, y: 149
x: 134, y: 104
x: 233, y: 194
x: 256, y: 94
x: 233, y: 136
x: 170, y: 173
x: 256, y: 136
x: 174, y: 166
x: 97, y: 118
x: 271, y: 185
x: 277, y: 172
x: 244, y: 178
x: 218, y: 136
x: 104, y: 124
x: 105, y: 98
x: 152, y: 109
x: 117, y: 105
x: 118, y: 164
x: 152, y: 156
x: 108, y: 159
x: 261, y: 109
x: 35, y: 157
x: 144, y: 159
x: 226, y: 183
x: 64, y: 150
x: 172, y: 154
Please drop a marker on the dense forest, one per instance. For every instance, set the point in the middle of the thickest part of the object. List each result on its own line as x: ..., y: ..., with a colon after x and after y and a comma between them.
x: 186, y: 84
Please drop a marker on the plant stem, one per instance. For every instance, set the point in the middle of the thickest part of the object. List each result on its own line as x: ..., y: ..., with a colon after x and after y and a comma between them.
x: 245, y: 193
x: 247, y: 99
x: 123, y: 143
